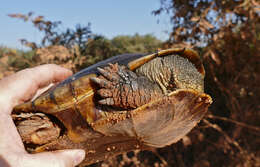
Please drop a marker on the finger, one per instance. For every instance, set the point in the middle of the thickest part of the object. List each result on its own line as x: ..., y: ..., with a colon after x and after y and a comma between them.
x: 64, y: 158
x: 41, y: 90
x: 10, y: 139
x: 23, y: 85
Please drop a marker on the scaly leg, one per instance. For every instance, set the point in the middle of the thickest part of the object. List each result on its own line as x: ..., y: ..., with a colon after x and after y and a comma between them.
x: 122, y: 88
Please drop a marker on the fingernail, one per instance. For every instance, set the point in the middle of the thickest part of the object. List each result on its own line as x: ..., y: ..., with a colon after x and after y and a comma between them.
x: 79, y: 157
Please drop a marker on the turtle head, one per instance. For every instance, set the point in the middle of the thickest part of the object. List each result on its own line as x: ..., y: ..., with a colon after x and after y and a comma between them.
x: 184, y: 73
x: 175, y: 71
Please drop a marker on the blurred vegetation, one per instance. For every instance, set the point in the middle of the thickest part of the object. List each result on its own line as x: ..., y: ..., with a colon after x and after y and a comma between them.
x: 72, y: 48
x: 227, y: 35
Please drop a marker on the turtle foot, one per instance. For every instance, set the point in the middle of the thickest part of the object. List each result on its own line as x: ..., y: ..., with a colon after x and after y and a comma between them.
x: 122, y: 88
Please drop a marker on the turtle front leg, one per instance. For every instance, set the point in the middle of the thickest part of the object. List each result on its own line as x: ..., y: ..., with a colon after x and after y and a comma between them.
x: 122, y: 88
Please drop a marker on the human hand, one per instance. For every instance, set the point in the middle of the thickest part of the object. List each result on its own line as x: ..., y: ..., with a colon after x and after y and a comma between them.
x: 16, y: 89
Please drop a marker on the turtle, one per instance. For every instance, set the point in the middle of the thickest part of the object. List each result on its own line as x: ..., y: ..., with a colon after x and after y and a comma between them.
x: 130, y: 101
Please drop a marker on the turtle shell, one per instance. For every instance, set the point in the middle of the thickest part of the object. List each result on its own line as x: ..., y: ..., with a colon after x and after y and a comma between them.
x: 73, y: 102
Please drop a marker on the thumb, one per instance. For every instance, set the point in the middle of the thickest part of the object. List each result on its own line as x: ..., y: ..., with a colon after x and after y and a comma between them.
x: 61, y: 158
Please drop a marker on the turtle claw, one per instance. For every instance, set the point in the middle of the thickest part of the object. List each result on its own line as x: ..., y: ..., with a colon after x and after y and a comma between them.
x: 102, y: 82
x: 107, y: 74
x: 107, y: 101
x: 111, y: 65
